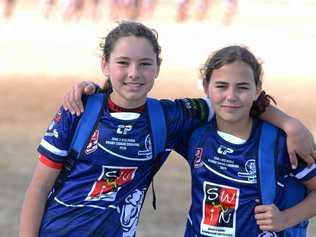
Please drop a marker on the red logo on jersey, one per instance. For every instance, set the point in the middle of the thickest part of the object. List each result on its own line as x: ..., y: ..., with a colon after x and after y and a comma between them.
x: 57, y: 117
x: 219, y: 212
x: 93, y: 143
x: 110, y: 182
x: 198, y: 158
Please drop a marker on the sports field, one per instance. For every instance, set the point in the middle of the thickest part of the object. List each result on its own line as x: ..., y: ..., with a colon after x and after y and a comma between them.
x: 39, y: 61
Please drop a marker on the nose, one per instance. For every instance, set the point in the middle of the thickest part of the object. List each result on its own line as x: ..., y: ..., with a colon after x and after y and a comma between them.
x: 231, y: 94
x: 133, y: 71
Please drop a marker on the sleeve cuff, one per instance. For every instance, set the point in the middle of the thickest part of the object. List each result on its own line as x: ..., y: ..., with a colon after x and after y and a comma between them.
x: 49, y: 163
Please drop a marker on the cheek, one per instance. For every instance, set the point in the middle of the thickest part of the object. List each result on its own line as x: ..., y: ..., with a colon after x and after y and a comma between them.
x: 150, y: 74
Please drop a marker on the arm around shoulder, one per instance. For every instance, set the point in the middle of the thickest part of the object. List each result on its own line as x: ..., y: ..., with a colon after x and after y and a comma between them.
x: 300, y: 140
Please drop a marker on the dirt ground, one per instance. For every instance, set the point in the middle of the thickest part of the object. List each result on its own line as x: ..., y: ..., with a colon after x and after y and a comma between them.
x: 37, y: 69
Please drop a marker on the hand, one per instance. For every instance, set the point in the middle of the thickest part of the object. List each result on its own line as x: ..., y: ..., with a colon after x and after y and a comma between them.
x: 300, y: 143
x: 270, y: 218
x: 72, y: 99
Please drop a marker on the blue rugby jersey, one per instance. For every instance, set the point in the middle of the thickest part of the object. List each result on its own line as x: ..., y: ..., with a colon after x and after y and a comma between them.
x: 105, y: 191
x: 224, y: 183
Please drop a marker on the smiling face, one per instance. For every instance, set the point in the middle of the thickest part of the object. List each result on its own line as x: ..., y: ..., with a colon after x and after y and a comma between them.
x: 232, y: 90
x: 132, y: 68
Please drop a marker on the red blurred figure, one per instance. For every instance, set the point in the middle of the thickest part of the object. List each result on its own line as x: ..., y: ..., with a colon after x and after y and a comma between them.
x: 202, y: 7
x: 95, y: 13
x: 9, y: 6
x: 73, y: 9
x: 230, y: 11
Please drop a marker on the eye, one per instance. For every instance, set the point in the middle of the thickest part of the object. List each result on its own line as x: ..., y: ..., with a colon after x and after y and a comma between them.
x: 146, y: 64
x: 220, y: 86
x: 243, y: 87
x: 123, y: 63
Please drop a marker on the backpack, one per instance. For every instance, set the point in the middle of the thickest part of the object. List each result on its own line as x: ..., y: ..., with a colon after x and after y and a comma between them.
x: 295, y: 191
x: 87, y: 124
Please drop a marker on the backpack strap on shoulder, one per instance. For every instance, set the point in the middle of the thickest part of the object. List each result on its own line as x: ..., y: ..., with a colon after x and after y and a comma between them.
x: 87, y: 123
x: 93, y: 109
x: 158, y: 126
x: 159, y: 135
x: 267, y: 163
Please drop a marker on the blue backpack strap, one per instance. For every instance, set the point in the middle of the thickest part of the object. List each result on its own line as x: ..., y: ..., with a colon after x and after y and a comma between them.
x: 84, y: 130
x: 267, y: 162
x: 158, y: 125
x: 87, y: 123
x: 159, y: 135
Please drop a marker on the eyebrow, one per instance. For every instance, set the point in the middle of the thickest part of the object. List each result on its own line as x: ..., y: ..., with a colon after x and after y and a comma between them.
x: 238, y: 83
x: 127, y: 58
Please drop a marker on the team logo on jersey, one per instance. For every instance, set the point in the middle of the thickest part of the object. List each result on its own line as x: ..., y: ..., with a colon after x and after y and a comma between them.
x: 130, y: 212
x: 197, y: 163
x: 110, y: 182
x: 267, y: 234
x: 57, y: 117
x: 250, y: 172
x: 219, y: 210
x: 224, y: 150
x: 52, y: 133
x: 93, y: 143
x: 124, y: 129
x: 148, y: 148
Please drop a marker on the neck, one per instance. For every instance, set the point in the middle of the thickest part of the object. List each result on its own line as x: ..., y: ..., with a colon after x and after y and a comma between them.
x: 125, y: 103
x: 241, y: 129
x: 113, y: 107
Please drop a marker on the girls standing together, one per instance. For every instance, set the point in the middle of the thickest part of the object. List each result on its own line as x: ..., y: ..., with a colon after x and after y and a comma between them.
x: 105, y: 190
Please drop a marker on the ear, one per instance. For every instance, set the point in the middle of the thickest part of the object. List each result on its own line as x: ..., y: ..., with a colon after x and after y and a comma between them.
x: 258, y: 90
x: 205, y: 87
x: 158, y: 71
x: 104, y: 67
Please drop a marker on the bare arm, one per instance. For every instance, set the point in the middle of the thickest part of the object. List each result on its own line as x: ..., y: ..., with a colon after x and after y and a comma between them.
x: 35, y: 199
x: 299, y: 139
x: 270, y: 218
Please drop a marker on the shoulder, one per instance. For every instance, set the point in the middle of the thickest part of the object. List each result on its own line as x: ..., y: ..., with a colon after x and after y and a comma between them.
x: 189, y: 107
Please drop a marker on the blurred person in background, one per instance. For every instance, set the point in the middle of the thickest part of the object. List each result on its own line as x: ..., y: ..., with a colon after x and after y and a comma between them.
x: 72, y: 9
x: 202, y: 8
x: 8, y: 10
x: 48, y: 7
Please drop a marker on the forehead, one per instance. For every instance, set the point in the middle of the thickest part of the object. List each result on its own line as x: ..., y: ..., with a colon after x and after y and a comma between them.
x: 234, y: 72
x: 131, y: 46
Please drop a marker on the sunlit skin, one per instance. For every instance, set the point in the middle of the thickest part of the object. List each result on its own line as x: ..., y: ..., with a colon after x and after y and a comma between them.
x: 132, y: 69
x: 232, y: 90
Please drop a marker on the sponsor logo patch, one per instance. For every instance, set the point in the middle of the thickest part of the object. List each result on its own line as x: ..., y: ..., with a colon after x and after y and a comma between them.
x: 93, y: 143
x: 219, y: 210
x: 110, y: 182
x: 198, y: 158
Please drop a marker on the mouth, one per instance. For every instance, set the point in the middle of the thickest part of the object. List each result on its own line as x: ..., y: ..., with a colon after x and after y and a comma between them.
x: 133, y: 85
x: 230, y: 107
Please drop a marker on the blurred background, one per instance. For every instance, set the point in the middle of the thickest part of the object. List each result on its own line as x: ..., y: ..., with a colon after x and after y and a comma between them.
x: 47, y: 46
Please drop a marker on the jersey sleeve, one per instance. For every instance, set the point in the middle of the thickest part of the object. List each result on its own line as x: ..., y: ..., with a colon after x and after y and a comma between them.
x: 302, y: 172
x: 55, y: 143
x: 182, y: 117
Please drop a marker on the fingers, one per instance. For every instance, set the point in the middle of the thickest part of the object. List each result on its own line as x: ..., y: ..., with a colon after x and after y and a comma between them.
x: 263, y: 217
x: 76, y: 106
x: 293, y: 160
x: 66, y: 101
x: 89, y: 89
x: 314, y: 153
x: 72, y: 99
